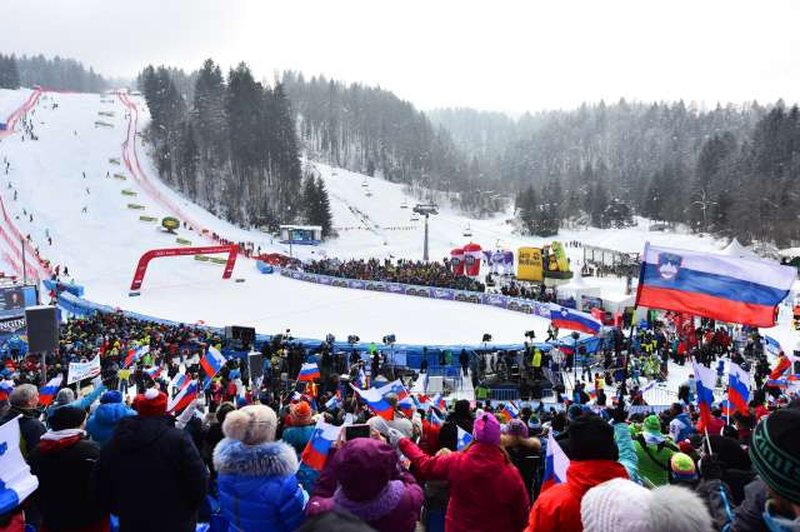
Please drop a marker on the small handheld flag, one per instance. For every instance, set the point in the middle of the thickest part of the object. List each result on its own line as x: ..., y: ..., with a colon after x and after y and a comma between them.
x: 510, y: 410
x: 308, y: 372
x: 464, y: 438
x: 6, y: 387
x: 184, y: 398
x: 134, y: 354
x: 565, y: 318
x: 319, y: 445
x: 48, y: 392
x: 705, y: 380
x: 376, y: 402
x: 738, y: 387
x: 211, y: 363
x: 555, y: 465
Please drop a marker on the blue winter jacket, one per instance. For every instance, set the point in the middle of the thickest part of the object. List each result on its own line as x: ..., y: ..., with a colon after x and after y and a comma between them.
x: 258, y: 489
x: 104, y: 420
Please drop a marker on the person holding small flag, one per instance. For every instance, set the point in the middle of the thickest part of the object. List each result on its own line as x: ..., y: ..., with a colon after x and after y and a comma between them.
x: 301, y: 426
x: 106, y: 416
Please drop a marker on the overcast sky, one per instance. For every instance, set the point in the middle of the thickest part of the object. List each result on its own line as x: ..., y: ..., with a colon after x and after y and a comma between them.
x: 500, y: 55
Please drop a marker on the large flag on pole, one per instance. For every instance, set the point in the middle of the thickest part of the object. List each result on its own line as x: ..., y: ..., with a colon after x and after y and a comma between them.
x: 16, y: 480
x: 738, y: 387
x: 720, y: 287
x: 565, y: 318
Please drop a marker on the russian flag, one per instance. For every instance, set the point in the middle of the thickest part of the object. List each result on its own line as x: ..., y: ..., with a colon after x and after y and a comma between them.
x: 565, y: 318
x: 376, y: 402
x: 510, y: 410
x: 705, y: 379
x: 738, y: 387
x: 135, y: 354
x: 555, y: 465
x: 463, y: 439
x: 153, y: 372
x: 727, y: 407
x: 319, y: 445
x: 6, y: 387
x: 308, y: 372
x: 212, y: 362
x: 720, y: 287
x: 184, y: 398
x: 591, y: 391
x: 48, y: 392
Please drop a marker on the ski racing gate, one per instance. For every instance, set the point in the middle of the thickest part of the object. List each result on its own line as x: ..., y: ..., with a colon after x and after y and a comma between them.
x: 144, y: 261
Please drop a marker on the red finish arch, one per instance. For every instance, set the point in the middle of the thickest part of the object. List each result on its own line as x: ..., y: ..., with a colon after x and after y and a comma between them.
x: 141, y: 268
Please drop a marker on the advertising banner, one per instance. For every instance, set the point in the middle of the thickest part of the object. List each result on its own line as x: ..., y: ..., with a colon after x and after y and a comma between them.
x: 444, y: 293
x: 529, y: 264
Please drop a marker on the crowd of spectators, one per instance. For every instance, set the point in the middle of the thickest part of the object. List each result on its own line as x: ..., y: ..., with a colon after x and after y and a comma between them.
x: 434, y: 274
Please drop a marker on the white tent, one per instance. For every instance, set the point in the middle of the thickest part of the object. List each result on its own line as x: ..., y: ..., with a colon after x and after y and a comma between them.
x: 577, y: 288
x: 735, y: 249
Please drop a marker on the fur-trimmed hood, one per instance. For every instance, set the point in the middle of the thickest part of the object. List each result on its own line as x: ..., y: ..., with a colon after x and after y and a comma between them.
x: 232, y: 457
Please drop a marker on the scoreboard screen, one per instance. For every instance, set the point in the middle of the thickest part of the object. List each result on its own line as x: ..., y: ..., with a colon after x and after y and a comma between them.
x: 14, y: 299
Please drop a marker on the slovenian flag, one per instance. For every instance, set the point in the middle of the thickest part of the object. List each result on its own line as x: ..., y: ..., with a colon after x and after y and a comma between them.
x: 135, y: 354
x: 376, y: 402
x: 184, y: 397
x: 16, y: 480
x: 48, y: 392
x: 510, y: 410
x: 738, y: 387
x: 705, y: 379
x: 555, y: 465
x: 565, y: 318
x: 6, y: 387
x: 720, y: 287
x: 464, y: 438
x: 396, y: 387
x: 319, y: 445
x: 211, y: 363
x: 308, y: 372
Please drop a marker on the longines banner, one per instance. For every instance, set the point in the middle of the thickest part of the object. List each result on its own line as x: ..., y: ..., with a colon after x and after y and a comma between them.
x: 12, y: 326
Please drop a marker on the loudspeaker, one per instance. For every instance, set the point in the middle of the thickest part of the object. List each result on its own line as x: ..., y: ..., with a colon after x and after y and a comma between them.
x: 255, y: 365
x: 42, y: 329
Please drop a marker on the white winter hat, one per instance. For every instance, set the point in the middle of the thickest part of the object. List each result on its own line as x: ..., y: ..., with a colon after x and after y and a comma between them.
x: 251, y: 425
x: 617, y: 505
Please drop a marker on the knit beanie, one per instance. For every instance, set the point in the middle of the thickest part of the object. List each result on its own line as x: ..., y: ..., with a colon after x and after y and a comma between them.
x: 683, y: 468
x: 617, y: 505
x: 487, y: 430
x: 775, y: 453
x: 461, y: 408
x: 64, y: 396
x: 251, y: 425
x: 591, y: 438
x: 517, y: 427
x: 652, y: 424
x: 300, y: 414
x: 151, y: 403
x: 223, y: 410
x: 111, y: 396
x: 66, y: 417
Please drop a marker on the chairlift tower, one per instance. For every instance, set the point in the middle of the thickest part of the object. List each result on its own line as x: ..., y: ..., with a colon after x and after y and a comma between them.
x: 426, y: 209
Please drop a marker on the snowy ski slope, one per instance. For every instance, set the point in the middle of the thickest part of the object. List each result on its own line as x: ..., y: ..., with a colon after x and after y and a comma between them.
x: 102, y: 245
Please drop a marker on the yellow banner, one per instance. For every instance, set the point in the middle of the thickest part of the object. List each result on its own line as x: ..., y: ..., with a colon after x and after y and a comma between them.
x: 529, y: 264
x: 561, y: 256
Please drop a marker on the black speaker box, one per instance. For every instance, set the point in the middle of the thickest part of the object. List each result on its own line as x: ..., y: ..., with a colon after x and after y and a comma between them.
x: 42, y: 329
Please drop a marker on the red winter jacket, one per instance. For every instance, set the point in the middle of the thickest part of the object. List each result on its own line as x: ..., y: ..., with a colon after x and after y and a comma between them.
x: 559, y: 508
x: 486, y: 490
